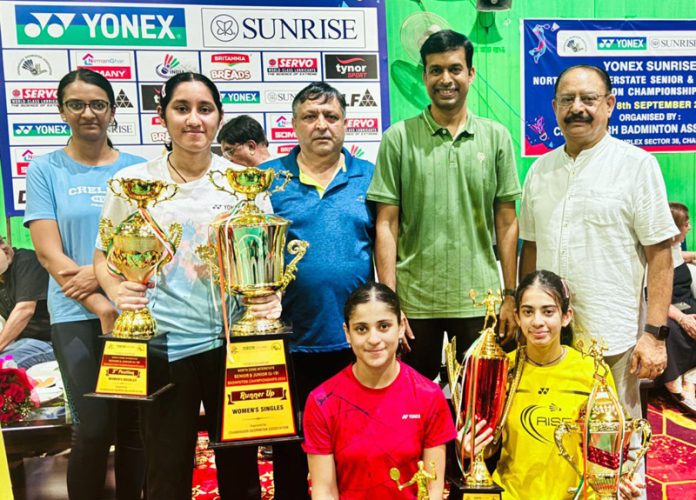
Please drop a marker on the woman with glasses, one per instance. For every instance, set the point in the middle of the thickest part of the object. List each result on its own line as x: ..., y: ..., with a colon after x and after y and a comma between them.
x: 65, y: 193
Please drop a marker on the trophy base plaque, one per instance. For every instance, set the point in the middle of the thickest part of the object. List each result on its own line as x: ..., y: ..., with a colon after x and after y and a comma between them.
x: 133, y: 369
x: 249, y: 325
x: 258, y: 393
x: 459, y: 490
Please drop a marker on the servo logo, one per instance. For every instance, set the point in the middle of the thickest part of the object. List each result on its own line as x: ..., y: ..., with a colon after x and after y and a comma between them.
x: 103, y: 25
x: 40, y: 129
x: 33, y: 98
x: 622, y: 43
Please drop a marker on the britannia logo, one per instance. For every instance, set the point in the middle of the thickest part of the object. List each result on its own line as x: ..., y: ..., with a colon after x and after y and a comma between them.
x: 224, y: 27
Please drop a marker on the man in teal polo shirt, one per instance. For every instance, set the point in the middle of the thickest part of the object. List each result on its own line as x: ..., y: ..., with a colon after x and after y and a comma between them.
x: 445, y: 184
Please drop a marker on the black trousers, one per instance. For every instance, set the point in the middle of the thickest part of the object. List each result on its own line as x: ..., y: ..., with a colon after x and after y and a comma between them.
x: 171, y: 424
x: 289, y: 460
x: 98, y: 423
x: 426, y: 349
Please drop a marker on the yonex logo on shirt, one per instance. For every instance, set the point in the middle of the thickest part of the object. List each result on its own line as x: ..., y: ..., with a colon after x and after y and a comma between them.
x: 543, y: 390
x: 410, y: 416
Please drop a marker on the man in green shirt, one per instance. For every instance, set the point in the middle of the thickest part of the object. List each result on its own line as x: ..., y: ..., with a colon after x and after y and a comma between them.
x: 445, y: 182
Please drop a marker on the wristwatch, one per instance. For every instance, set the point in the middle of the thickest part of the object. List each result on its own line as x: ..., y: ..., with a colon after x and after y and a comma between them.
x: 509, y: 291
x: 659, y: 332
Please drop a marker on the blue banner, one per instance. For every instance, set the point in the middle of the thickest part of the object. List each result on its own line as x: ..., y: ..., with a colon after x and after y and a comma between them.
x: 652, y: 65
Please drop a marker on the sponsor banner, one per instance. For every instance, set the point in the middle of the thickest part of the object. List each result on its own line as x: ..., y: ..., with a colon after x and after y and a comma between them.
x: 103, y: 25
x: 37, y: 130
x: 125, y: 130
x: 360, y: 96
x: 259, y: 56
x: 237, y: 66
x: 150, y: 94
x: 19, y: 192
x: 278, y: 28
x: 291, y: 66
x: 280, y: 149
x: 652, y: 66
x: 153, y: 130
x: 350, y: 67
x: 363, y: 150
x: 31, y: 98
x: 22, y: 157
x: 113, y: 65
x: 126, y: 94
x: 161, y: 66
x: 146, y: 151
x: 363, y: 127
x: 279, y: 127
x: 30, y: 65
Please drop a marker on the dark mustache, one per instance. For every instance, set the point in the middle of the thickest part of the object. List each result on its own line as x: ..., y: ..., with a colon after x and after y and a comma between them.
x: 578, y: 118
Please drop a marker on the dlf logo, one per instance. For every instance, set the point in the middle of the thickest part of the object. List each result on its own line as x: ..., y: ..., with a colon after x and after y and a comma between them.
x: 77, y: 25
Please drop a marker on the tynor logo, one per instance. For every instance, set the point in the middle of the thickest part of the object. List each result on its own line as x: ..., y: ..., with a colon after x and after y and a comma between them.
x: 351, y: 66
x: 34, y: 65
x: 230, y: 73
x: 103, y: 25
x: 116, y: 66
x: 295, y: 66
x: 40, y: 129
x: 241, y: 97
x: 33, y: 98
x: 622, y: 43
x: 150, y: 96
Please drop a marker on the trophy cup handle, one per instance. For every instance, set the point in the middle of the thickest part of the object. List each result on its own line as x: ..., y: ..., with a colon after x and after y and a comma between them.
x: 106, y: 232
x: 558, y: 434
x: 645, y: 429
x: 174, y: 189
x: 211, y: 177
x: 298, y: 248
x: 287, y: 175
x: 208, y: 255
x: 113, y: 183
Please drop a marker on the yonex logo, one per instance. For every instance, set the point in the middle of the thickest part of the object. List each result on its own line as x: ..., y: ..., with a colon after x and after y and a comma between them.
x: 543, y: 390
x: 77, y: 25
x: 40, y: 129
x: 622, y: 43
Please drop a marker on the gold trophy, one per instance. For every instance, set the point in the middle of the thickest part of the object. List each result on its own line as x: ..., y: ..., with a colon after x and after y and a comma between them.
x: 421, y: 479
x: 246, y: 253
x: 135, y: 250
x: 478, y: 387
x: 603, y: 430
x: 246, y: 246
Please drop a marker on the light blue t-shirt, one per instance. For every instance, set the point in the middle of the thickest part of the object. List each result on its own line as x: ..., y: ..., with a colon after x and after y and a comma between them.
x: 72, y: 194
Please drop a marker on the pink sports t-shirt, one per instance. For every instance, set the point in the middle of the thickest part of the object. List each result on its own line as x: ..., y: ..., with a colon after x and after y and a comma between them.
x: 369, y: 431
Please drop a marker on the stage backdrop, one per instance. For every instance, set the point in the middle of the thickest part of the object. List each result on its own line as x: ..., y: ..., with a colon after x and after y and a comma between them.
x: 260, y: 54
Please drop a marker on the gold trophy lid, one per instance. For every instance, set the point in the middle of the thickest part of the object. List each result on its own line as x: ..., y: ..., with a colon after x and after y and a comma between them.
x: 250, y: 181
x: 250, y: 216
x: 143, y: 191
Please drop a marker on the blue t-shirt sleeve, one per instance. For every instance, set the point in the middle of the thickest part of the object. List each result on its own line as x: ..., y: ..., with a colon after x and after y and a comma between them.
x: 41, y: 203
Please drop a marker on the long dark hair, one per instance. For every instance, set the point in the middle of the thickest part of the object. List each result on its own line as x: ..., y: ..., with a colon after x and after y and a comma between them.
x: 552, y: 284
x: 92, y: 78
x: 368, y: 292
x: 170, y: 86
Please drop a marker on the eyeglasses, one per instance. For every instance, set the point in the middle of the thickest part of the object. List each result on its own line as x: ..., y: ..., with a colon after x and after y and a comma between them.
x: 588, y: 100
x: 229, y: 153
x: 97, y: 107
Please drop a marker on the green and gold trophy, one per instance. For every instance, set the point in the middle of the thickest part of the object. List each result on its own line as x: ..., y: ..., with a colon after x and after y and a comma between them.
x: 421, y: 478
x: 600, y: 437
x: 246, y: 252
x: 480, y: 391
x: 134, y: 359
